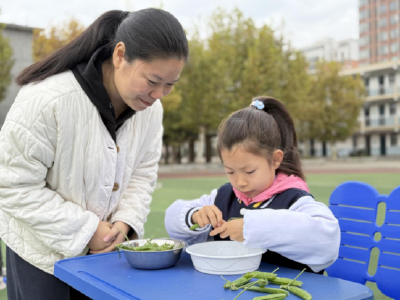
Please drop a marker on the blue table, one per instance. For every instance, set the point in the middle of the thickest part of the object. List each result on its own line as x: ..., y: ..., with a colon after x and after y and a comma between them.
x: 105, y: 276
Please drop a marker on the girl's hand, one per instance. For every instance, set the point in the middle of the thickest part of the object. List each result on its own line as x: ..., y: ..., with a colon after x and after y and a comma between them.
x: 233, y: 229
x: 208, y: 215
x: 96, y: 243
x: 113, y: 237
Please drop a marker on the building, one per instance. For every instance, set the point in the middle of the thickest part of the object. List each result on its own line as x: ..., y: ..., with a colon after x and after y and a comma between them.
x: 379, y: 119
x: 379, y: 31
x: 345, y: 52
x: 20, y: 38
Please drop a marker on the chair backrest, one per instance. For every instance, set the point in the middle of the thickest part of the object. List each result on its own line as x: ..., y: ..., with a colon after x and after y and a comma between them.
x: 355, y: 205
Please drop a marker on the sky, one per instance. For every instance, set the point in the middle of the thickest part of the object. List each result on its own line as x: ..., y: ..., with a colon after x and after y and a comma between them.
x: 303, y: 22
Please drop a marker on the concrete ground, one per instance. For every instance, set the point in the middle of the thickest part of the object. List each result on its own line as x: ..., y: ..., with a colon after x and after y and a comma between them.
x: 310, y: 166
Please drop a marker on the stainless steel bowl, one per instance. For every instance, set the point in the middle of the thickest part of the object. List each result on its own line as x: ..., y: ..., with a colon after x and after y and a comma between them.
x: 152, y: 260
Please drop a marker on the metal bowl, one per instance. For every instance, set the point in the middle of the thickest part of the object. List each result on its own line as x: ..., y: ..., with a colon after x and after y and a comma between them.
x: 153, y: 260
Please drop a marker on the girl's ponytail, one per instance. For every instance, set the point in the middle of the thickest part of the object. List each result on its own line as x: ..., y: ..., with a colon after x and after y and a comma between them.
x: 291, y: 163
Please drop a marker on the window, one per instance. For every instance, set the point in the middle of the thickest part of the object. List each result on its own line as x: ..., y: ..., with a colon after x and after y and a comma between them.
x: 364, y: 54
x: 366, y: 82
x: 364, y: 14
x: 363, y: 2
x: 392, y: 78
x: 384, y: 50
x: 382, y: 22
x: 366, y: 111
x: 381, y: 9
x: 364, y: 27
x: 394, y: 19
x: 394, y: 33
x: 364, y: 41
x: 381, y: 80
x: 392, y: 108
x: 383, y: 36
x: 393, y: 139
x: 382, y: 110
x: 394, y: 48
x: 393, y: 5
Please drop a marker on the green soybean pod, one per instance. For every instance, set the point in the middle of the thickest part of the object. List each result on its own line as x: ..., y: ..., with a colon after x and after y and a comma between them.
x: 227, y: 284
x: 260, y: 275
x: 267, y: 290
x: 269, y: 297
x: 194, y: 226
x: 286, y: 281
x: 260, y: 283
x: 240, y: 282
x: 298, y: 292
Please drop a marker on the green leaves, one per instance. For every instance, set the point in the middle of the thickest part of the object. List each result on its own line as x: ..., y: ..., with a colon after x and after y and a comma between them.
x: 334, y: 104
x: 236, y: 62
x: 6, y: 63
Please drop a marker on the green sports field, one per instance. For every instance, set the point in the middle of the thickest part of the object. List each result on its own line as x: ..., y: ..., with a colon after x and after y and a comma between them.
x: 321, y: 186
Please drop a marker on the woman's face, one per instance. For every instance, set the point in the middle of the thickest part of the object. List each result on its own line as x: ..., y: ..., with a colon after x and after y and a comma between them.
x: 140, y: 83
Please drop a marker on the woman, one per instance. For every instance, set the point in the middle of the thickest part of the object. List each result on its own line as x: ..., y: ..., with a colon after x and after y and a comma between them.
x: 80, y: 146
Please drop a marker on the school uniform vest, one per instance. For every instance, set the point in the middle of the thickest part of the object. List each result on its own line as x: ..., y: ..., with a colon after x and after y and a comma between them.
x: 230, y: 206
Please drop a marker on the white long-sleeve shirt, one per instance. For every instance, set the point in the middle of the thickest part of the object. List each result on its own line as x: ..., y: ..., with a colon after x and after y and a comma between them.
x: 307, y: 232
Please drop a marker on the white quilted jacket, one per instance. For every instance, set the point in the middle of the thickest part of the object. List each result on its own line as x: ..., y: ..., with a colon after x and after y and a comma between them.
x: 61, y: 172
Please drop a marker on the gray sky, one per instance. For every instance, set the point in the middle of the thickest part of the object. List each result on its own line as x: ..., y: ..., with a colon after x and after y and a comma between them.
x: 305, y: 21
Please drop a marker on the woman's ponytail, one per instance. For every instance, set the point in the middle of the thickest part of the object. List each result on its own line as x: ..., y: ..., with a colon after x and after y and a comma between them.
x: 147, y: 34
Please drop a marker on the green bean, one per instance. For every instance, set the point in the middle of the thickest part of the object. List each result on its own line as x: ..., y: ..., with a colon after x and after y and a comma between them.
x: 273, y: 296
x: 148, y: 246
x: 267, y: 290
x: 240, y: 281
x: 194, y: 226
x: 297, y: 291
x: 286, y: 281
x: 260, y: 275
x: 260, y: 283
x: 245, y: 289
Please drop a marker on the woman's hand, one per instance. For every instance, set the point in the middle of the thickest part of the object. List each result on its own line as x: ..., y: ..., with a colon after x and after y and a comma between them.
x: 208, y: 215
x: 97, y: 243
x: 233, y: 229
x: 113, y: 237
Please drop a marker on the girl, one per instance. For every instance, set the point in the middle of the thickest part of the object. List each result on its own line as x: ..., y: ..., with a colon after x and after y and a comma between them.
x: 80, y: 146
x: 267, y: 191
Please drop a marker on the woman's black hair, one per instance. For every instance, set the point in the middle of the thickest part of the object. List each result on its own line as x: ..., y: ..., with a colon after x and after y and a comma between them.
x: 261, y: 132
x: 147, y: 34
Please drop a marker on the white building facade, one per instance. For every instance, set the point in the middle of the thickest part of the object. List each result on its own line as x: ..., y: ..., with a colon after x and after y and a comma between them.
x: 345, y: 52
x: 379, y: 118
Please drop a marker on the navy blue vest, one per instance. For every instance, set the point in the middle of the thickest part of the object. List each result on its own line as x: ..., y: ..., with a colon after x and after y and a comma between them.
x: 230, y: 206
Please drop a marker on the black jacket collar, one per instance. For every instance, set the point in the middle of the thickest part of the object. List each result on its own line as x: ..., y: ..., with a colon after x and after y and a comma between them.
x: 90, y: 77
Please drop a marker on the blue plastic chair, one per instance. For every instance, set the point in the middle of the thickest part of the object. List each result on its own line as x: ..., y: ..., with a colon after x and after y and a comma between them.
x: 355, y: 205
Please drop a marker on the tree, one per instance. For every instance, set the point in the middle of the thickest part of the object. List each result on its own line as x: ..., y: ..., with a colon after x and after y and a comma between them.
x: 334, y: 104
x: 237, y: 62
x: 45, y: 42
x: 273, y: 68
x: 6, y: 63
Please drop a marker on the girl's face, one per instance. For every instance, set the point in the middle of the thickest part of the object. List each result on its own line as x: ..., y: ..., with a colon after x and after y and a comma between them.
x: 251, y: 174
x: 141, y: 83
